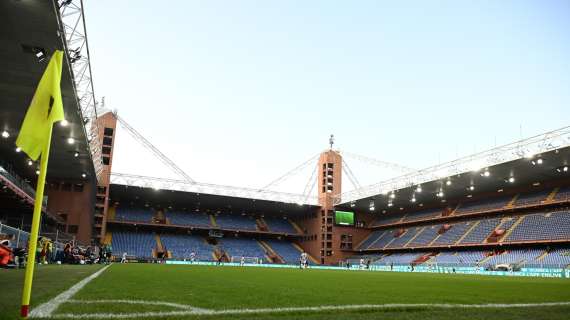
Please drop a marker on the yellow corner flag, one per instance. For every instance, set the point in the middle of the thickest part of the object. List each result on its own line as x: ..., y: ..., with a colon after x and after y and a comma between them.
x: 35, y: 139
x: 45, y: 109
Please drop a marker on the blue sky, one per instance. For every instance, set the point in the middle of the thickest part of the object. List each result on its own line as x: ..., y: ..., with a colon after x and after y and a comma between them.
x: 238, y: 92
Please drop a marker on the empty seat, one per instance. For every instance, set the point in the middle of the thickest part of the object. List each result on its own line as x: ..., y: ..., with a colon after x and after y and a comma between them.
x: 236, y: 221
x: 279, y: 225
x: 134, y: 214
x: 188, y: 218
x: 182, y: 246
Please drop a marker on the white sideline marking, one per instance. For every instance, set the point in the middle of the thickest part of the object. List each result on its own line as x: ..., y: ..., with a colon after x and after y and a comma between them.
x: 189, y: 310
x: 45, y: 310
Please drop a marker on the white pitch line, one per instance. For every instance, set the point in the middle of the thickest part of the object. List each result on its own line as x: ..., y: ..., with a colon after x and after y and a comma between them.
x: 143, y: 302
x: 45, y: 310
x: 206, y: 312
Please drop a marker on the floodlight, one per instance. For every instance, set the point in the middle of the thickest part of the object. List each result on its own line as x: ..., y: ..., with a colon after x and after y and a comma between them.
x: 70, y: 140
x: 30, y: 162
x: 76, y: 154
x: 84, y: 175
x: 5, y: 134
x: 18, y: 149
x: 419, y: 188
x: 511, y: 179
x: 64, y: 123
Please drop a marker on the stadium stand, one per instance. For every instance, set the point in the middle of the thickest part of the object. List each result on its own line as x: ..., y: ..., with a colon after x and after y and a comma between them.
x: 181, y: 246
x: 389, y: 219
x: 515, y: 257
x: 485, y: 204
x: 398, y: 258
x: 404, y: 238
x: 134, y: 214
x: 238, y: 247
x: 426, y: 236
x: 138, y: 244
x: 237, y: 222
x: 453, y: 234
x: 286, y: 250
x: 424, y: 214
x: 562, y: 194
x: 382, y: 240
x: 375, y: 235
x: 188, y: 218
x: 532, y: 198
x: 481, y: 231
x: 556, y: 258
x: 549, y: 226
x: 279, y: 225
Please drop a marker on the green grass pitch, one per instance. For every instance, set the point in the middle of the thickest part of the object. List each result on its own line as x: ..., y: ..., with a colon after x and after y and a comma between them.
x: 239, y: 288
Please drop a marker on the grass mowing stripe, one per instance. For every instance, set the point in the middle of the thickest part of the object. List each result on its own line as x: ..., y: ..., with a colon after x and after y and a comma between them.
x: 46, y: 309
x: 205, y: 312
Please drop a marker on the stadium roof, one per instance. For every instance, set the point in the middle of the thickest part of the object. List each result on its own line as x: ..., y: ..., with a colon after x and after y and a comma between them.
x: 525, y: 172
x: 29, y: 33
x: 188, y: 201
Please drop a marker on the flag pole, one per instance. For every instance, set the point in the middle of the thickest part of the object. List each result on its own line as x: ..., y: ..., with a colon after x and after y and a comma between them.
x: 33, y: 240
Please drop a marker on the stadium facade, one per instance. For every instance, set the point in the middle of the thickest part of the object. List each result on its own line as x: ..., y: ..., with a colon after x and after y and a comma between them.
x: 508, y: 205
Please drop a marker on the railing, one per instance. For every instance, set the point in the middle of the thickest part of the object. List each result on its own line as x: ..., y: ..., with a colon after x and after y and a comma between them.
x: 7, y: 172
x: 21, y: 237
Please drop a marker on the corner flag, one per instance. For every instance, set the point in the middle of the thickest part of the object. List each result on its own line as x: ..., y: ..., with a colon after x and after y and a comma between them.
x: 45, y: 109
x: 35, y: 139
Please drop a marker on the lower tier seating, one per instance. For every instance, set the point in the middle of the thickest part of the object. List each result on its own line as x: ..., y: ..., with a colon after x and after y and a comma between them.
x: 135, y: 244
x: 182, y: 246
x: 285, y: 250
x: 534, y: 257
x: 238, y: 247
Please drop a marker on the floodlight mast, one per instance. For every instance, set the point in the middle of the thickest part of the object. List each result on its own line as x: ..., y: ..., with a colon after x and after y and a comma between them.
x: 157, y: 153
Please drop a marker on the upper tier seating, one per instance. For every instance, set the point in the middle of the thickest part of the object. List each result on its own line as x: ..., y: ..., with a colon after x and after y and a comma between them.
x: 134, y: 214
x: 136, y: 244
x: 238, y: 247
x: 551, y: 226
x: 188, y: 218
x: 285, y: 250
x: 452, y: 235
x: 562, y: 194
x: 481, y: 231
x: 279, y: 225
x: 403, y: 239
x: 424, y: 214
x: 485, y: 204
x: 235, y: 221
x: 181, y: 246
x: 426, y: 236
x: 530, y: 198
x: 388, y: 219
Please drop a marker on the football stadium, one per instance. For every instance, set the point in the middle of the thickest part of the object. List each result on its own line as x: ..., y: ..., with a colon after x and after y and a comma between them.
x: 485, y: 235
